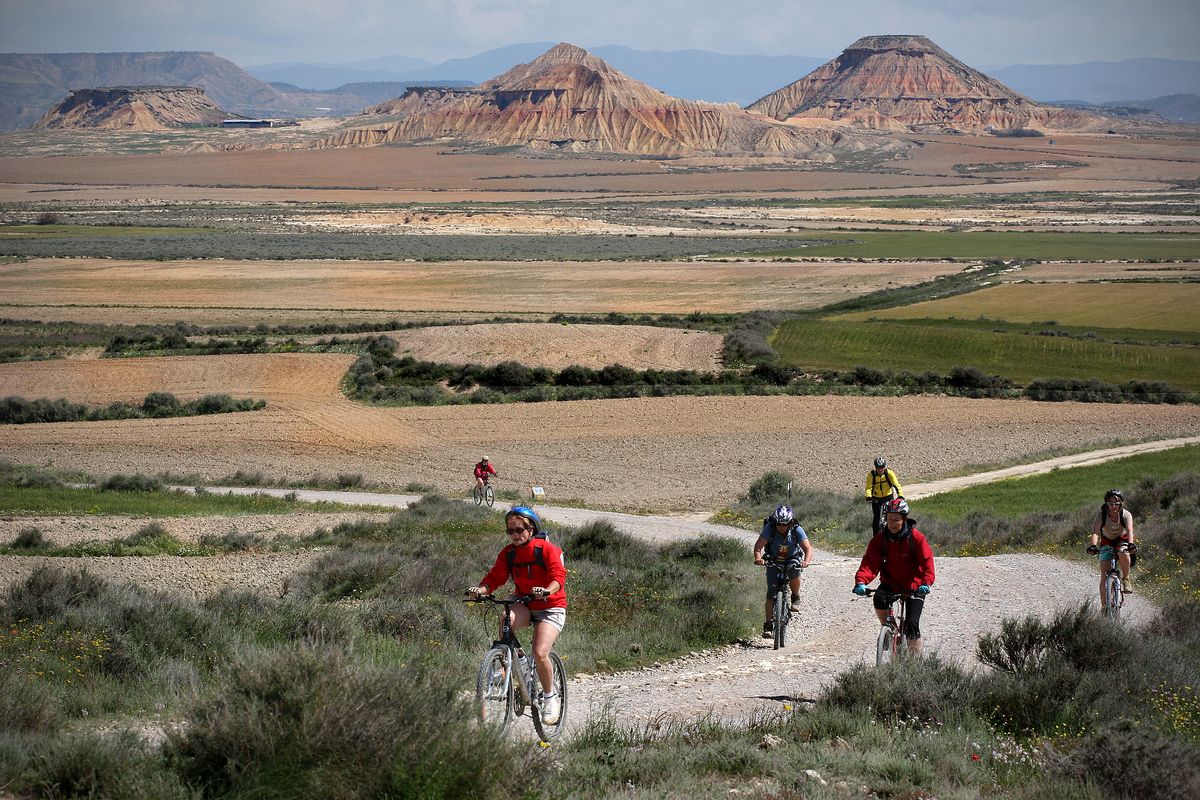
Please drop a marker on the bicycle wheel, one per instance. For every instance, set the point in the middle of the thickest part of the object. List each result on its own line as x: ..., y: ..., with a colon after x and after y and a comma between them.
x: 1113, y: 598
x: 885, y: 645
x: 780, y: 619
x: 493, y: 689
x: 478, y: 495
x: 489, y: 495
x: 548, y: 730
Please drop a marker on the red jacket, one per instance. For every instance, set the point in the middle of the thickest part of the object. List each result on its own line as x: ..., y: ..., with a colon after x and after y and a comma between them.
x: 901, y: 565
x: 527, y: 572
x: 482, y: 469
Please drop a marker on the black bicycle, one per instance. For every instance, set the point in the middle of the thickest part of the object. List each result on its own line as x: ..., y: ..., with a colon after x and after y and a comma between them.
x: 781, y: 603
x: 1114, y: 590
x: 508, y: 681
x: 892, y: 642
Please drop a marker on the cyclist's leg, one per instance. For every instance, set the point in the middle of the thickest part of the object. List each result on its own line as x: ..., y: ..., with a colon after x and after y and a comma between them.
x: 1124, y: 562
x: 545, y: 633
x: 519, y: 617
x: 879, y: 600
x: 794, y: 585
x: 1103, y: 559
x: 769, y: 605
x: 913, y: 607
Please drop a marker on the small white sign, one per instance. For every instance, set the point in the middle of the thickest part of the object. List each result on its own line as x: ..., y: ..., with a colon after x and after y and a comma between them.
x: 538, y: 493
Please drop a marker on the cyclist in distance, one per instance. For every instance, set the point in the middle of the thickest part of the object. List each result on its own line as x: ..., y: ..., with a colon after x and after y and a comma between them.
x: 901, y: 557
x: 483, y: 472
x: 1113, y: 527
x: 882, y: 485
x: 536, y: 567
x: 783, y: 545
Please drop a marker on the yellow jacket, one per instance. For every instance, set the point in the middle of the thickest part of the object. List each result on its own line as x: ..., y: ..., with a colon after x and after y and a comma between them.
x: 880, y: 486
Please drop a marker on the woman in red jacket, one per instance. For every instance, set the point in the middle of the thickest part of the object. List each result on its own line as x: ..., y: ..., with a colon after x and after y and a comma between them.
x: 536, y: 567
x: 901, y: 557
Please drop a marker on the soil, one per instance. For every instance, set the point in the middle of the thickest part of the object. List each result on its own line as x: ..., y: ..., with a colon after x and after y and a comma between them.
x: 558, y: 346
x: 673, y: 453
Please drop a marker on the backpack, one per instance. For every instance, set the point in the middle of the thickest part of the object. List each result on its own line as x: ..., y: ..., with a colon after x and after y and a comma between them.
x: 538, y: 558
x: 789, y: 537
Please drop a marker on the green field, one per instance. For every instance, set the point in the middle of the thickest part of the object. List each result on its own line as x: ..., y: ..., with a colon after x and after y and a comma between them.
x: 106, y: 231
x: 997, y: 244
x: 1148, y: 306
x: 918, y: 347
x: 1060, y: 490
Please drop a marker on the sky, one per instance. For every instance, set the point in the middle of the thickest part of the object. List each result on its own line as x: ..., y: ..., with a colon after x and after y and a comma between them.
x: 252, y: 32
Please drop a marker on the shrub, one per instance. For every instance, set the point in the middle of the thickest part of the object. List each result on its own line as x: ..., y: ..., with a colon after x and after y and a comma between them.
x: 920, y: 687
x: 114, y: 765
x: 310, y: 722
x: 1135, y: 761
x: 47, y: 218
x: 770, y: 487
x: 131, y: 483
x: 160, y: 404
x: 31, y: 539
x: 601, y: 543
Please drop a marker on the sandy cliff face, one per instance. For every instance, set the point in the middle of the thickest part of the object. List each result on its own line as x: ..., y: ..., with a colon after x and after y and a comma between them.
x: 909, y: 83
x: 133, y: 109
x: 568, y: 99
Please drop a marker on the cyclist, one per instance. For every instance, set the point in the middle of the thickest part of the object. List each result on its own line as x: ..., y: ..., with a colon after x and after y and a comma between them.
x: 783, y: 545
x: 900, y: 555
x: 483, y: 472
x: 1112, y: 528
x: 882, y: 485
x: 536, y: 567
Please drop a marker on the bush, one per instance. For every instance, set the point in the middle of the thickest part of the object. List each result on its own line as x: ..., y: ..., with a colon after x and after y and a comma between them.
x: 772, y: 486
x: 1135, y: 761
x: 131, y: 483
x: 31, y: 539
x: 307, y: 722
x: 601, y: 543
x: 160, y: 404
x: 921, y: 688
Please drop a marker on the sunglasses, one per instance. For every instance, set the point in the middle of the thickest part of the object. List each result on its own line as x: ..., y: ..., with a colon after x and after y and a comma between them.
x: 1116, y: 503
x: 516, y: 531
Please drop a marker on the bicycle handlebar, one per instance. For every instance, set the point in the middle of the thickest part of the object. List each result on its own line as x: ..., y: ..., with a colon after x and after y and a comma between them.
x: 491, y: 598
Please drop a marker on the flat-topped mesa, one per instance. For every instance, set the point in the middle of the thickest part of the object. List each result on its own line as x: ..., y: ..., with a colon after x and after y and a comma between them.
x: 906, y: 82
x: 568, y: 99
x: 139, y: 108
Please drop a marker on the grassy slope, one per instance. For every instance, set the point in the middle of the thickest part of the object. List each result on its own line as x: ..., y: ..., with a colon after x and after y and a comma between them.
x: 829, y: 344
x: 66, y: 500
x: 1155, y: 306
x: 998, y: 244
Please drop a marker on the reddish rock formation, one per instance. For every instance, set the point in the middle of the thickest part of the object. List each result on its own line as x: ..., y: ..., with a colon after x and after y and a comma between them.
x: 568, y: 99
x: 133, y: 108
x: 902, y: 83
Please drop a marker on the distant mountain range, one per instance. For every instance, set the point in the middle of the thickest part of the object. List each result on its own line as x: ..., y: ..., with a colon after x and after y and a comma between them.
x: 33, y: 83
x: 742, y: 79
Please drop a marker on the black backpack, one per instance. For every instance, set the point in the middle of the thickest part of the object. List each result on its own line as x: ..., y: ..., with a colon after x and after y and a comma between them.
x: 538, y: 558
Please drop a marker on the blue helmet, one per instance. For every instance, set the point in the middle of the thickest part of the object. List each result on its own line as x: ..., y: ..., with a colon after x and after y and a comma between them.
x: 783, y: 515
x: 529, y: 514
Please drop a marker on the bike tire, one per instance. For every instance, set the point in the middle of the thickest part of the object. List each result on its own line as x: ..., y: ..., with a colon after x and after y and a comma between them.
x: 489, y: 495
x: 546, y: 730
x: 478, y: 495
x: 1112, y: 592
x: 780, y: 620
x: 494, y: 689
x: 885, y: 646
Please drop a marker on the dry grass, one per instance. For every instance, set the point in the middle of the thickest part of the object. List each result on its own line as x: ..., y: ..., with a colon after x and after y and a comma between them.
x: 496, y: 287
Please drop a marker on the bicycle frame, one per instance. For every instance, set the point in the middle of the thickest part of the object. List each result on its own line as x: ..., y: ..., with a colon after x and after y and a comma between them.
x: 781, y: 601
x: 892, y: 641
x: 1114, y: 590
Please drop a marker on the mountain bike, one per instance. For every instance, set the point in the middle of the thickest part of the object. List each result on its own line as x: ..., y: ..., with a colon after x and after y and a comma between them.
x: 1114, y: 591
x: 892, y: 642
x: 485, y: 494
x: 508, y: 681
x: 781, y: 604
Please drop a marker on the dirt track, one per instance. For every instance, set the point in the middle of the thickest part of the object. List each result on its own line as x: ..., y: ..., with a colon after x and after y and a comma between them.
x: 673, y: 453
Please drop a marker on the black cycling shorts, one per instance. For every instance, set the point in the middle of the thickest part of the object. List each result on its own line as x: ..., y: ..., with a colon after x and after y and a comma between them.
x: 913, y: 607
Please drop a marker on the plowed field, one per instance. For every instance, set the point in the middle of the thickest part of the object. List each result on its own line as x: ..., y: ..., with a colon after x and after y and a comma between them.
x: 671, y: 453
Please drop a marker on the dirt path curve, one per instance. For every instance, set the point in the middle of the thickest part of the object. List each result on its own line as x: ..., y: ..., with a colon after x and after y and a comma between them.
x: 918, y: 490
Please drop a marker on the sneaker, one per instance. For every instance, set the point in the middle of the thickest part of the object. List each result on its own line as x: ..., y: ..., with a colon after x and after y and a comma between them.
x: 550, y: 709
x: 795, y: 603
x: 1127, y: 585
x: 768, y: 630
